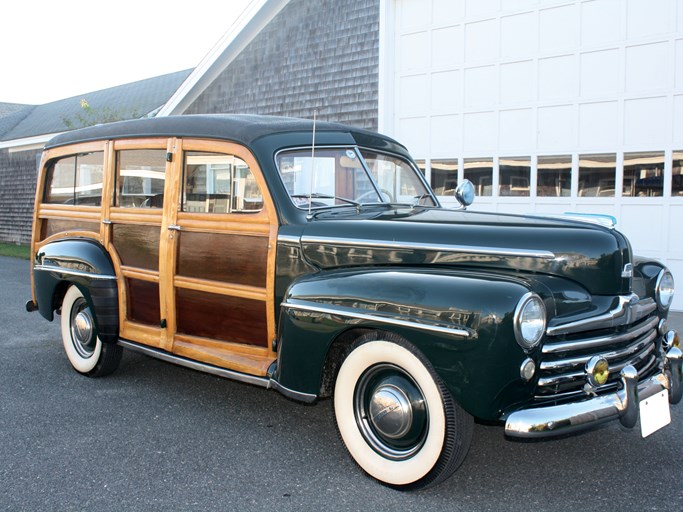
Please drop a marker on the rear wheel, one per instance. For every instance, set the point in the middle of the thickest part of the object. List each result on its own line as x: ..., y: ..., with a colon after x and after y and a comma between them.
x: 396, y: 417
x: 86, y: 352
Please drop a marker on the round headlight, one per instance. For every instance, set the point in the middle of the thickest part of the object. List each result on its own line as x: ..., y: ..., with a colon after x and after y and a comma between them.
x: 529, y: 320
x: 664, y: 289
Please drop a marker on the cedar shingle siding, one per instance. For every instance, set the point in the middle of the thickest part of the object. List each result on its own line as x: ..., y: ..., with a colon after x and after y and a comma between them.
x: 320, y: 54
x: 315, y: 54
x: 17, y: 189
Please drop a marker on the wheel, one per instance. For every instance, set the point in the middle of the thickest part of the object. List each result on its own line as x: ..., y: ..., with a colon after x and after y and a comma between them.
x: 396, y: 417
x: 86, y: 353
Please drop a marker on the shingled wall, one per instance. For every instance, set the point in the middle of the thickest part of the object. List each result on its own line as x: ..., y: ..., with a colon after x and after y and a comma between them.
x: 18, y: 171
x: 321, y: 54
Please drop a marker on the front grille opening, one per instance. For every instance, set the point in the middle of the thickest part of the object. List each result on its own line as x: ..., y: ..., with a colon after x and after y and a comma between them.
x: 562, y: 365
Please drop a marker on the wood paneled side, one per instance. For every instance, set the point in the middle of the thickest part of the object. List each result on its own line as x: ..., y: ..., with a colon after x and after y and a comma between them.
x: 143, y: 302
x: 53, y: 226
x: 221, y: 317
x: 238, y: 259
x: 137, y: 246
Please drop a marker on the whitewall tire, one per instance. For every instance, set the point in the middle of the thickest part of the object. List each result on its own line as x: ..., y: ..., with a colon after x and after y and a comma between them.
x: 396, y: 417
x: 86, y: 352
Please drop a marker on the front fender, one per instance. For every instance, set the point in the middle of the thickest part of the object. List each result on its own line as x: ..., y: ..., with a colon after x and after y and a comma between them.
x: 460, y: 320
x: 86, y: 264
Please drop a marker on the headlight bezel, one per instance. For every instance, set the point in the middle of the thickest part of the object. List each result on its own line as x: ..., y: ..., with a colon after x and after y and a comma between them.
x: 663, y: 274
x: 529, y: 299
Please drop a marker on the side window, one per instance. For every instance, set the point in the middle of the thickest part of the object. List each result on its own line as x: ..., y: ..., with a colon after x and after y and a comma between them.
x: 76, y: 180
x: 140, y: 177
x: 219, y: 183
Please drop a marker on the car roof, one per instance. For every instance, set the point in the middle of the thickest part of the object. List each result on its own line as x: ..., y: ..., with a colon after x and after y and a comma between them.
x: 241, y: 128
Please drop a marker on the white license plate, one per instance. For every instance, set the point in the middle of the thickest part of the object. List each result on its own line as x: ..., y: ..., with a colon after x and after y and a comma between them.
x: 654, y: 413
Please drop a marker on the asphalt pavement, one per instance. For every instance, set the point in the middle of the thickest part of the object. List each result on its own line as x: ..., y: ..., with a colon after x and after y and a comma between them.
x: 154, y: 436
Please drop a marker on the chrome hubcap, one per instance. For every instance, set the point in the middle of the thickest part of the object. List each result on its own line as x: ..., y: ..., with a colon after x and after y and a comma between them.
x: 82, y: 329
x: 391, y: 412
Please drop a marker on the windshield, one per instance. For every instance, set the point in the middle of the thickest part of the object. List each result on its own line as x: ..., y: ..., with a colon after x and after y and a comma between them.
x: 339, y: 176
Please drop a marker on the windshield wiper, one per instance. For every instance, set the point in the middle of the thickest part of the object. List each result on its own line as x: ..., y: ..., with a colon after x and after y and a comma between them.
x: 317, y: 195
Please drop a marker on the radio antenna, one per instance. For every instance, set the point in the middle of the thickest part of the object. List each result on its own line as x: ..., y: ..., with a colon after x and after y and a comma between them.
x: 310, y: 192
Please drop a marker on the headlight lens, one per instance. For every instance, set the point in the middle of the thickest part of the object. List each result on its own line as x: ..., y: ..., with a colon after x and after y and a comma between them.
x: 665, y: 289
x: 529, y: 320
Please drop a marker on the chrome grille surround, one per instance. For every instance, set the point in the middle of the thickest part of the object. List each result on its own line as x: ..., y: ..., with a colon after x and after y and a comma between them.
x: 626, y: 335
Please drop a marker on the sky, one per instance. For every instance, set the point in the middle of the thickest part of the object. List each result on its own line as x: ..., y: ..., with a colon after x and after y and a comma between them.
x: 51, y: 50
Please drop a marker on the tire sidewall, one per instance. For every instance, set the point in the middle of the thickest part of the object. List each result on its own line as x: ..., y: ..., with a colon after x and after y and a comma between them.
x: 393, y: 472
x: 81, y: 364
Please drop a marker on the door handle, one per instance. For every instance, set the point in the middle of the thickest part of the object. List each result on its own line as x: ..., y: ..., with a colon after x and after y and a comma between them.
x: 174, y: 227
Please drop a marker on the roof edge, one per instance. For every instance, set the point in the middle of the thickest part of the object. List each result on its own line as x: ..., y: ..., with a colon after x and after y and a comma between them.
x: 18, y: 144
x: 247, y: 26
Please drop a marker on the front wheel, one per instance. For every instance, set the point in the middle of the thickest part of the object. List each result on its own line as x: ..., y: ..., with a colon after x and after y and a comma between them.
x: 86, y: 352
x: 396, y: 417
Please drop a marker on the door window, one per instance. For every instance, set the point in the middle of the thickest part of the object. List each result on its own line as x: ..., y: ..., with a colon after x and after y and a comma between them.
x: 219, y: 183
x: 140, y: 177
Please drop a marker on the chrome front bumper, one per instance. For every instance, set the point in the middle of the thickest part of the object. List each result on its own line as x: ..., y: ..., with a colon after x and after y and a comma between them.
x: 566, y: 418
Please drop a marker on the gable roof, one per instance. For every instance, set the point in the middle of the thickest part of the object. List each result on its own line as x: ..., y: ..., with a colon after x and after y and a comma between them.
x: 247, y: 26
x: 10, y: 108
x: 136, y: 99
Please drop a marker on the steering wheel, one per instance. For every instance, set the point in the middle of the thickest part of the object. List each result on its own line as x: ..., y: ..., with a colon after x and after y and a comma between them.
x: 386, y: 195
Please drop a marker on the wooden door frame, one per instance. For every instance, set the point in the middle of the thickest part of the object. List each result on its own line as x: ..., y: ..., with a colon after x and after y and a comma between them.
x: 235, y: 356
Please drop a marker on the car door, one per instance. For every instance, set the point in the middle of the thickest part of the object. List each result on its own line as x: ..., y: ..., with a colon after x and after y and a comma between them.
x: 133, y: 225
x: 217, y: 258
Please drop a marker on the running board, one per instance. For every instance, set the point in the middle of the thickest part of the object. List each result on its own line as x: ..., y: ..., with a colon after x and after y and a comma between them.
x: 264, y: 382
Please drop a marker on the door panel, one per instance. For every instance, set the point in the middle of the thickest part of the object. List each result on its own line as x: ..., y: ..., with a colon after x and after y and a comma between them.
x: 135, y: 223
x: 221, y: 317
x: 238, y: 259
x: 217, y: 286
x: 137, y: 245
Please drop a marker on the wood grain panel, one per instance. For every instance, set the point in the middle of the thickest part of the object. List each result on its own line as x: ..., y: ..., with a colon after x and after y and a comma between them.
x: 221, y: 317
x: 238, y: 259
x: 53, y: 226
x: 143, y: 302
x: 137, y: 246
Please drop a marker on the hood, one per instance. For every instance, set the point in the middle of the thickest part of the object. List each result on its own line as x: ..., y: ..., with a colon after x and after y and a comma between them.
x: 592, y: 255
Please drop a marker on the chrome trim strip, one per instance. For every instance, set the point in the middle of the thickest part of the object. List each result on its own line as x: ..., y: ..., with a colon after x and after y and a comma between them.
x: 561, y: 419
x: 494, y: 251
x: 587, y: 218
x: 346, y: 312
x: 71, y: 272
x: 195, y: 365
x: 567, y: 346
x: 289, y: 238
x: 630, y: 309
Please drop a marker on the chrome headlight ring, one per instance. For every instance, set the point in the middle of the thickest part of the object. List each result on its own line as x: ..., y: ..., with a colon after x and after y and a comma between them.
x: 529, y: 321
x: 664, y: 289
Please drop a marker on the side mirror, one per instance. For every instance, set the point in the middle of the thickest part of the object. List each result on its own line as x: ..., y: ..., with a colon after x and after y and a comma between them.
x: 465, y: 193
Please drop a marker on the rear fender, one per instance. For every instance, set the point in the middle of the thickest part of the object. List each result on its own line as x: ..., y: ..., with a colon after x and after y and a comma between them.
x: 86, y: 264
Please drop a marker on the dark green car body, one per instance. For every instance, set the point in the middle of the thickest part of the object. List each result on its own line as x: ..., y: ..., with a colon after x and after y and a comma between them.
x: 447, y: 280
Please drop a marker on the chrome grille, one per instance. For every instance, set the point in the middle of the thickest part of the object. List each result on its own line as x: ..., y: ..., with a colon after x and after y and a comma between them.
x: 563, y: 360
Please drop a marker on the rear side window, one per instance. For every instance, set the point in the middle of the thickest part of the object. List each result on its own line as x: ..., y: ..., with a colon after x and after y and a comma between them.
x: 140, y: 178
x: 76, y: 180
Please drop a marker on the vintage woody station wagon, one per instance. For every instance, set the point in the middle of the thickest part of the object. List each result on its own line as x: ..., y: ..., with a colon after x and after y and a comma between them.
x: 315, y: 260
